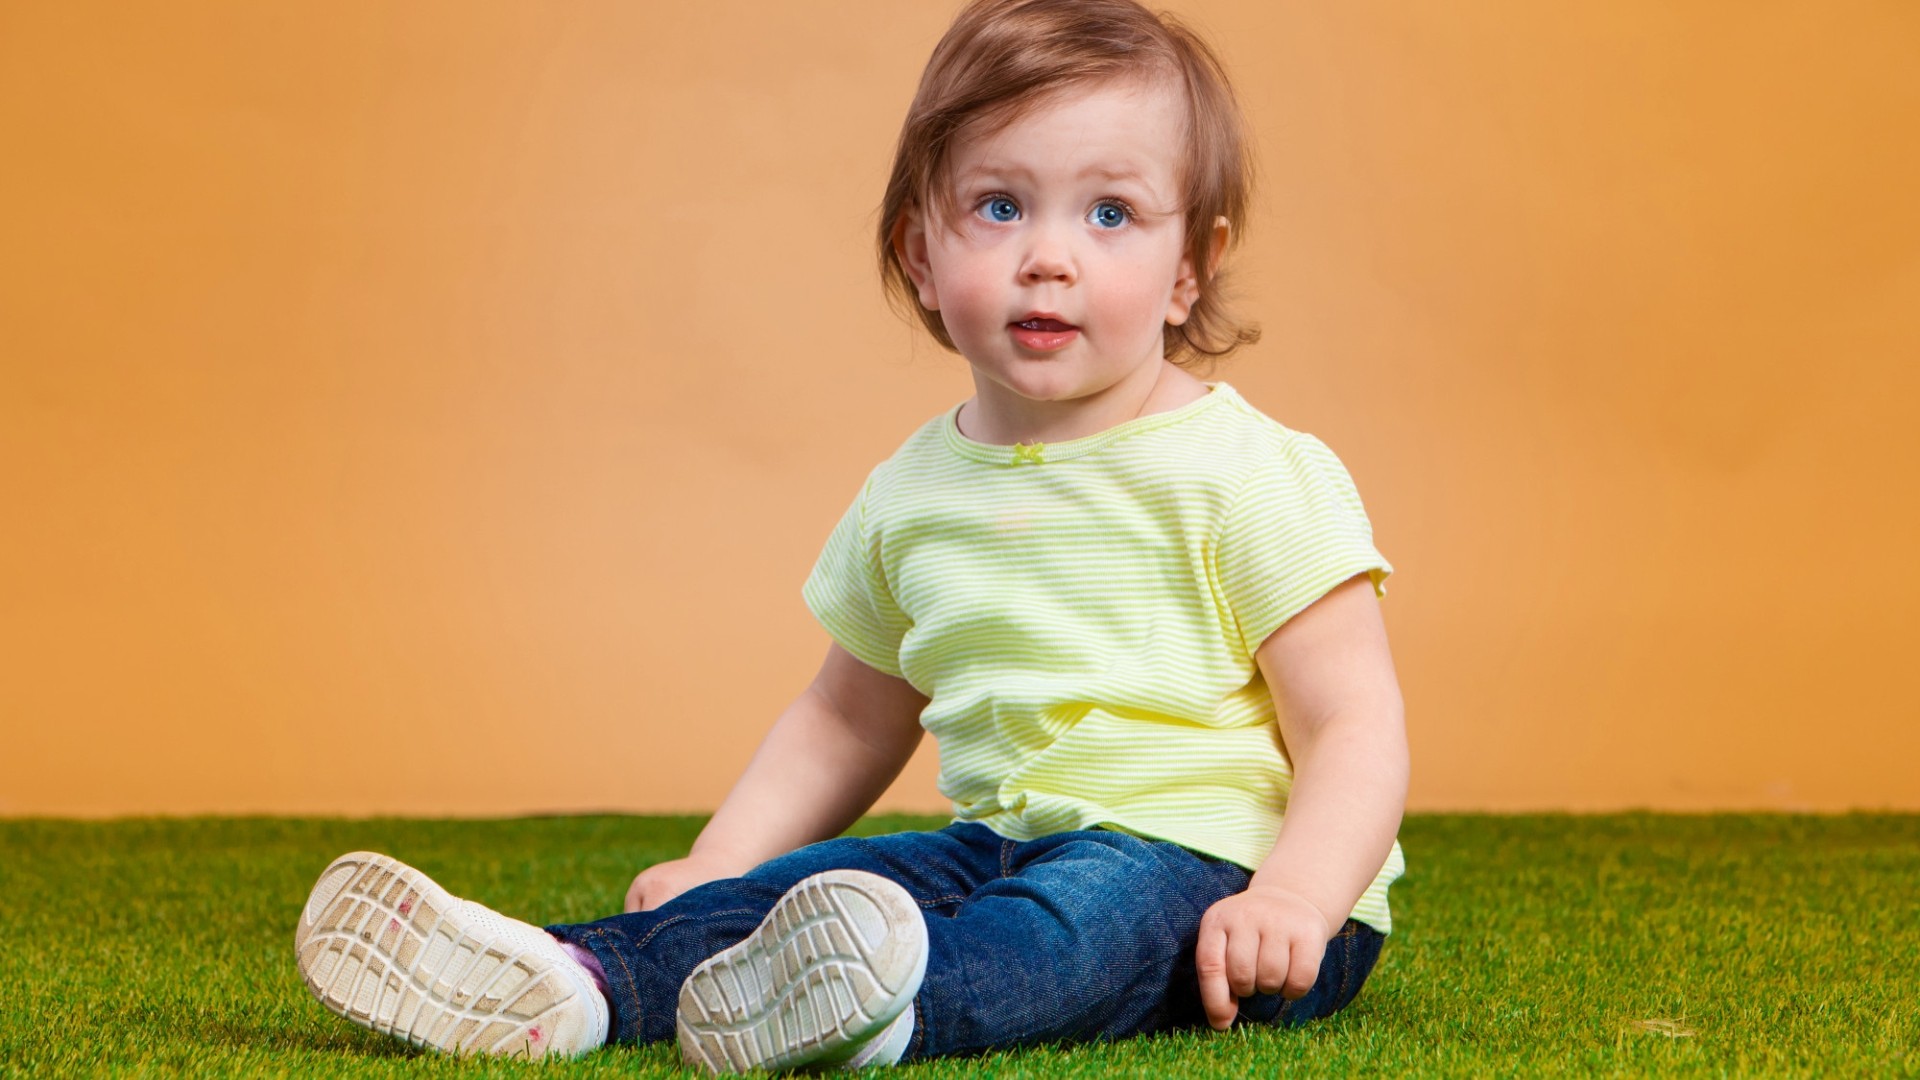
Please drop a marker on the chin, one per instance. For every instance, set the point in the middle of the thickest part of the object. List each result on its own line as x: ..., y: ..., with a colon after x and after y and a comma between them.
x: 1043, y: 386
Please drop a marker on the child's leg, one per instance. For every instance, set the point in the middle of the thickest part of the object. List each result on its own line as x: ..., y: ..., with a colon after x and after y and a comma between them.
x: 1082, y: 936
x: 1086, y: 935
x: 647, y: 955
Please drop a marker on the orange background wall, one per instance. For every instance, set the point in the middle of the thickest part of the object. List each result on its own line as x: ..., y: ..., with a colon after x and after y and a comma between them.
x: 435, y: 407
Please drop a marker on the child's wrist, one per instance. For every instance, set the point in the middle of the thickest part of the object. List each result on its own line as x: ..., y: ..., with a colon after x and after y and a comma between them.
x: 1279, y: 888
x: 727, y: 860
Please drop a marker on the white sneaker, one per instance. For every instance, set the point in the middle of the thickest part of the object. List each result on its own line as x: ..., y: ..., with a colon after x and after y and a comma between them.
x: 823, y: 977
x: 384, y: 946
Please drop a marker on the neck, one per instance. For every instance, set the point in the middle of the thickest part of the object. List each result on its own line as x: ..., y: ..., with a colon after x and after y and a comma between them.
x: 1001, y: 417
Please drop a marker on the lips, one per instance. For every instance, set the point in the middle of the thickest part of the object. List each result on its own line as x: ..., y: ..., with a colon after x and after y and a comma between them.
x: 1043, y: 332
x: 1045, y: 324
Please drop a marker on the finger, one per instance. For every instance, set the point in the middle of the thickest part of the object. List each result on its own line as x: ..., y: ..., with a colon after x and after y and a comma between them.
x: 1304, y: 968
x: 1243, y: 959
x: 1271, y: 972
x: 1210, y: 960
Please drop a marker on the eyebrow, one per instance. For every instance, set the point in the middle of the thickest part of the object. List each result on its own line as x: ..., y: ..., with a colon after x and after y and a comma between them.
x: 1127, y: 172
x: 1104, y: 172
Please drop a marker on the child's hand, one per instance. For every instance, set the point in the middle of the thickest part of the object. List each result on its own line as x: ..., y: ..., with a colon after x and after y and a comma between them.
x: 1266, y: 939
x: 661, y: 882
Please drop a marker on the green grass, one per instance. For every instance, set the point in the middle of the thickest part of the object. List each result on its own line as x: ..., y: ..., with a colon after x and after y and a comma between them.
x: 1633, y: 944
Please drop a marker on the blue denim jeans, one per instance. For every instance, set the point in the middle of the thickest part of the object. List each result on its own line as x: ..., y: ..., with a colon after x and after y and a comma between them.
x: 1075, y: 936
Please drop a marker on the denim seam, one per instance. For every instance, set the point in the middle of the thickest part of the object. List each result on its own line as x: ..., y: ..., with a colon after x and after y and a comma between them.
x: 920, y: 1032
x: 664, y: 923
x: 938, y: 901
x: 919, y: 1038
x: 1346, y: 963
x: 628, y: 984
x: 633, y: 990
x: 1006, y: 858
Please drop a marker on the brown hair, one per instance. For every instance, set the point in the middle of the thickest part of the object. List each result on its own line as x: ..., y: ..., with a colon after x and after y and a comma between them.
x: 1000, y: 58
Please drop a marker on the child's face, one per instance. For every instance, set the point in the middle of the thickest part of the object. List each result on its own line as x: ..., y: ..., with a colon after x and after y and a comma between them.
x: 1071, y: 211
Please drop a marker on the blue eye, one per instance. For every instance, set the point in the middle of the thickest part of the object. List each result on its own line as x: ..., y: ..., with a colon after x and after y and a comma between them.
x: 1110, y: 215
x: 1000, y: 208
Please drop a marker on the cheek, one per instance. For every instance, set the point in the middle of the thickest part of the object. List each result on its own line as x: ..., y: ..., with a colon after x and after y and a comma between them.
x: 1139, y: 295
x: 968, y: 292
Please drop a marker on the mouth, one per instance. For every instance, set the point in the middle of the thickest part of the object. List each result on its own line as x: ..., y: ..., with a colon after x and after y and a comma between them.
x: 1049, y: 324
x: 1043, y: 333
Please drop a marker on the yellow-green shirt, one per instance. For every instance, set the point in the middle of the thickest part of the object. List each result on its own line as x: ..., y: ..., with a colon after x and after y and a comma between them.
x: 1083, y: 616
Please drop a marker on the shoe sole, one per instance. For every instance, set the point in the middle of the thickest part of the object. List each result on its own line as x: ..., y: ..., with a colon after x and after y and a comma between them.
x: 835, y: 961
x: 384, y: 946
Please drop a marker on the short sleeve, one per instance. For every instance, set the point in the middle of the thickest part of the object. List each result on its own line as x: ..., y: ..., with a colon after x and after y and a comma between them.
x: 847, y: 593
x: 1293, y: 532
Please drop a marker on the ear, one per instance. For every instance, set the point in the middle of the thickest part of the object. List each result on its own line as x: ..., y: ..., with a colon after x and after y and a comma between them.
x: 1186, y: 286
x: 910, y: 245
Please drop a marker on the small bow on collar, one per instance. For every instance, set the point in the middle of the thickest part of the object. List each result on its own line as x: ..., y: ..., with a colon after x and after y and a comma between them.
x: 1029, y: 452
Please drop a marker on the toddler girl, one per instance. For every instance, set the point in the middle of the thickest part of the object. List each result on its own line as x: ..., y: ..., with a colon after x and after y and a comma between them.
x: 1138, y: 615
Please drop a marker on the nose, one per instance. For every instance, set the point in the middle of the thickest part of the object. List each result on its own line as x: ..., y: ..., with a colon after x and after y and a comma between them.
x: 1048, y: 258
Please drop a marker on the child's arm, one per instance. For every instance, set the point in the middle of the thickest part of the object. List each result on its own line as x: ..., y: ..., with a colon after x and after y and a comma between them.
x: 827, y: 758
x: 1343, y: 724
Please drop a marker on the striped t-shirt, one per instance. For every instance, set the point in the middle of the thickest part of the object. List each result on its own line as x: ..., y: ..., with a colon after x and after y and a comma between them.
x: 1083, y: 617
